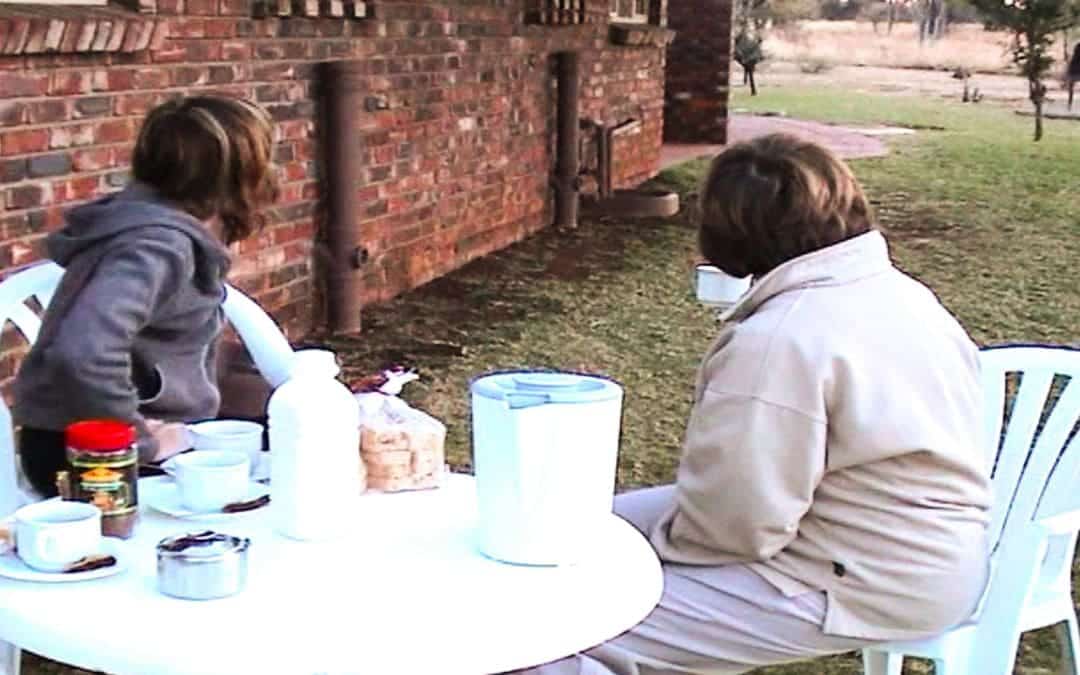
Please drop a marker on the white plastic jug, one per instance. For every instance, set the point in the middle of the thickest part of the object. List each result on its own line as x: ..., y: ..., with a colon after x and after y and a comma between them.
x: 314, y: 424
x: 545, y: 449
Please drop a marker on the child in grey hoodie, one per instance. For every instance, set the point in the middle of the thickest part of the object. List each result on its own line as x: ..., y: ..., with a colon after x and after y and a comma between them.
x: 131, y: 332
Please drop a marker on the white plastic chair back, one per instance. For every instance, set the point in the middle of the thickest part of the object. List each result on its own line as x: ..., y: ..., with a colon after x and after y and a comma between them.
x: 38, y: 284
x: 1032, y: 419
x: 34, y: 285
x: 264, y: 340
x: 1031, y: 459
x: 1037, y: 501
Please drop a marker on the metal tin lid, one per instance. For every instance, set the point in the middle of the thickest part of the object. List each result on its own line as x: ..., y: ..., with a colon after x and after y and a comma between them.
x: 205, y: 546
x: 523, y: 389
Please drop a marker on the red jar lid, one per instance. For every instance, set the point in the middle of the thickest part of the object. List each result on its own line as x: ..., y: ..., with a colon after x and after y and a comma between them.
x: 100, y: 435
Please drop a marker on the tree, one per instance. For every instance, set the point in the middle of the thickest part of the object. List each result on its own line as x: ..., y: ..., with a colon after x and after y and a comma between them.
x: 931, y: 17
x: 878, y: 13
x: 1033, y: 24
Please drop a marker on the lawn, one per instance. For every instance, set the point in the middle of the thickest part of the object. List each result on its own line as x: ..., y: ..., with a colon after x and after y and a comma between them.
x: 975, y: 209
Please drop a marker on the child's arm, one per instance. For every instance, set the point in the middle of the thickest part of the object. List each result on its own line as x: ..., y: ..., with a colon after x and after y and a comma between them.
x: 92, y: 346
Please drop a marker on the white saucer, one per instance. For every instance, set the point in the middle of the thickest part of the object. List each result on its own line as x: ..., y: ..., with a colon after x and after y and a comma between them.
x: 162, y: 494
x: 12, y: 567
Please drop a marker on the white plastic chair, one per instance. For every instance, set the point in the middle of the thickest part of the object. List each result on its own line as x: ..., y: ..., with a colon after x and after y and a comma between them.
x: 1034, y: 521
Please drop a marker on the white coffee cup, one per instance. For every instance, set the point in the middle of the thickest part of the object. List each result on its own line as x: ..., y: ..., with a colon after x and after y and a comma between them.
x: 718, y: 289
x: 51, y: 535
x: 232, y: 435
x: 211, y: 479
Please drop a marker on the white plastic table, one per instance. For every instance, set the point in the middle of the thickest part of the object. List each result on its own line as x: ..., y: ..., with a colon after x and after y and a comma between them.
x: 404, y: 591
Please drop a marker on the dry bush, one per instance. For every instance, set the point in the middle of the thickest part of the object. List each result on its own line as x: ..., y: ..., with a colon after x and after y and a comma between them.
x: 855, y: 43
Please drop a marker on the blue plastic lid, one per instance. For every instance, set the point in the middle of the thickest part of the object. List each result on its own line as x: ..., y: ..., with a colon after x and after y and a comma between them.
x: 527, y: 388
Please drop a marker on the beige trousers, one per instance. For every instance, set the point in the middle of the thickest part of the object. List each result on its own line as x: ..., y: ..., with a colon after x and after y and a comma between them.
x: 723, y: 621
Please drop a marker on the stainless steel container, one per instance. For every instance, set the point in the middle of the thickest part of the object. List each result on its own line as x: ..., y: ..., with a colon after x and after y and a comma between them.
x: 202, y: 565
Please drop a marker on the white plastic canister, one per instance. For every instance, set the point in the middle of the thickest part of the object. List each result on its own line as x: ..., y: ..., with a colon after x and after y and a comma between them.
x: 314, y: 424
x: 545, y: 449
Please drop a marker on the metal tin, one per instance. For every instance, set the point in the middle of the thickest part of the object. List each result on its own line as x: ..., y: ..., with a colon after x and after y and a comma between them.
x: 202, y: 565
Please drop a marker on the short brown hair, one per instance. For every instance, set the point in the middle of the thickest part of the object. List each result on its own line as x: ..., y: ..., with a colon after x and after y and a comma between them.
x: 210, y: 155
x: 775, y: 198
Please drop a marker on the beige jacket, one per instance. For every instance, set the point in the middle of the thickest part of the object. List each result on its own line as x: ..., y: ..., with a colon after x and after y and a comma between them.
x: 834, y: 444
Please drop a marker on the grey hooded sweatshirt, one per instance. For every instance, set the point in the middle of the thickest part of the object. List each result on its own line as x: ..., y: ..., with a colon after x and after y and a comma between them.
x: 132, y: 329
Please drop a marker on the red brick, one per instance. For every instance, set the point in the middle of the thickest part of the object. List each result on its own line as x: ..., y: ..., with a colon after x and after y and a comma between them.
x: 93, y: 159
x: 12, y: 113
x: 187, y: 28
x: 202, y: 7
x: 24, y: 141
x: 119, y: 79
x: 71, y: 136
x: 77, y: 189
x: 24, y: 84
x: 119, y: 32
x: 17, y: 35
x: 136, y: 104
x: 236, y: 50
x: 151, y: 77
x: 114, y: 131
x: 27, y: 196
x: 67, y: 82
x: 235, y: 7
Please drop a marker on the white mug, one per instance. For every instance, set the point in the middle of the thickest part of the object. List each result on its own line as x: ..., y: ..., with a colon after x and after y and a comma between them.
x: 49, y: 536
x: 209, y: 480
x: 718, y: 289
x: 237, y: 435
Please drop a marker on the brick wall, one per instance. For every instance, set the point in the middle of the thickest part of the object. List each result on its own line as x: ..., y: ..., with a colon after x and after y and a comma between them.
x: 459, y: 141
x: 698, y: 64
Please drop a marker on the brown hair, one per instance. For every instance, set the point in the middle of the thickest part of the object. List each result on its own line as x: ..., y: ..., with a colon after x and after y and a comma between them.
x: 210, y: 155
x: 775, y: 198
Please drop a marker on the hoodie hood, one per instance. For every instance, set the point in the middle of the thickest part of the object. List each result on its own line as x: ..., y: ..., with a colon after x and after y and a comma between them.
x: 137, y: 206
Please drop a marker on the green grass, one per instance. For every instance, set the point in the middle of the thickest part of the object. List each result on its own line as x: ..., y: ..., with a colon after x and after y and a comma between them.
x: 986, y: 217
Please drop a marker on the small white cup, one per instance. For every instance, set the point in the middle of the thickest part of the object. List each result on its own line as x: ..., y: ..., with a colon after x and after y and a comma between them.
x: 718, y: 289
x: 229, y: 435
x: 51, y: 535
x: 211, y: 479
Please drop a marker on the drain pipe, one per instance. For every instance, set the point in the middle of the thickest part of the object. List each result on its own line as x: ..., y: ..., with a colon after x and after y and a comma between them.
x: 567, y: 157
x: 342, y: 98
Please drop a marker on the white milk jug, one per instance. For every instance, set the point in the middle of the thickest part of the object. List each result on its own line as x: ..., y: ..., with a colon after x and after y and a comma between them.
x: 314, y: 424
x: 545, y: 448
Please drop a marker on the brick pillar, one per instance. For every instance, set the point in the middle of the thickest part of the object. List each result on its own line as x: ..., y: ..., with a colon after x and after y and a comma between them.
x: 698, y: 64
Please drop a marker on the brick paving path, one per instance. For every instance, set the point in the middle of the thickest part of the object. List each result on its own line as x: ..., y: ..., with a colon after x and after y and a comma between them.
x: 846, y: 142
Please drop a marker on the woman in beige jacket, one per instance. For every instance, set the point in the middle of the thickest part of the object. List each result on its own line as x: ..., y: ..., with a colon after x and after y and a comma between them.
x: 833, y: 489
